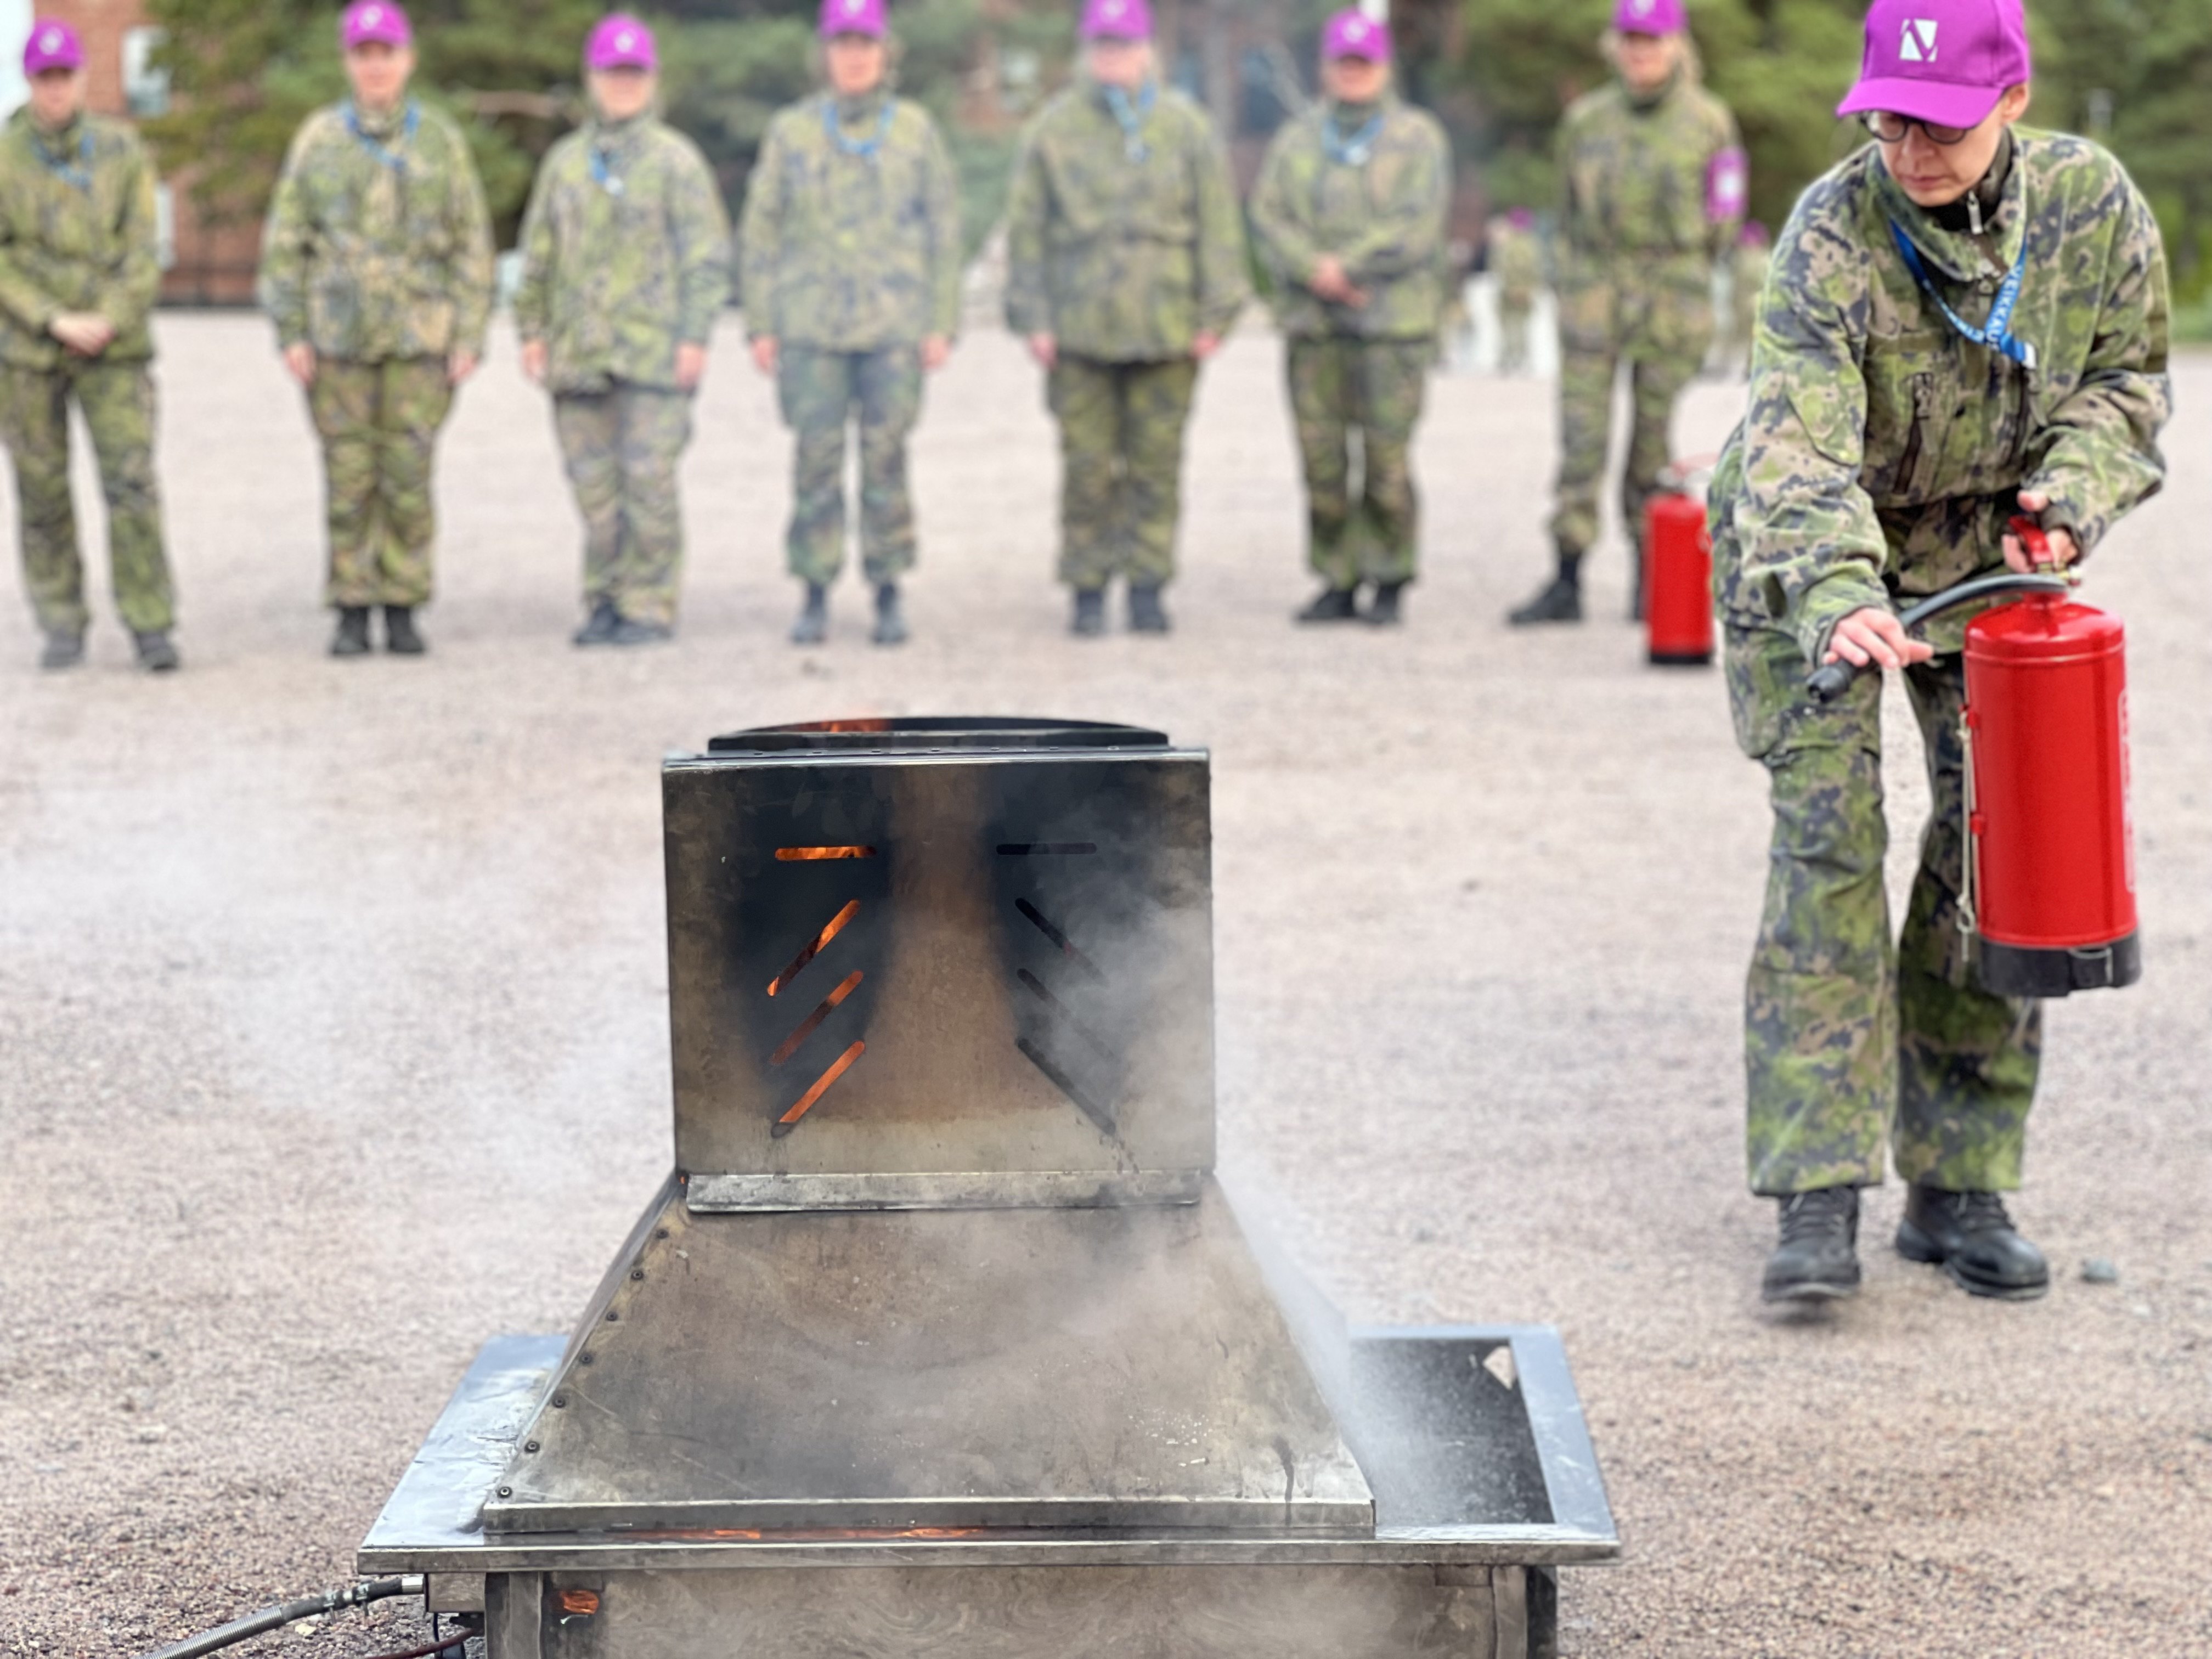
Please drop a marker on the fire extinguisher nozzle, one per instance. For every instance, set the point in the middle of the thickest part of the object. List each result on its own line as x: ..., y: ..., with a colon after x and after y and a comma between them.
x: 1832, y: 680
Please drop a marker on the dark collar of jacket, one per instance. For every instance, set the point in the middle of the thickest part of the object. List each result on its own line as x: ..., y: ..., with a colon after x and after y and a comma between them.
x: 1960, y: 254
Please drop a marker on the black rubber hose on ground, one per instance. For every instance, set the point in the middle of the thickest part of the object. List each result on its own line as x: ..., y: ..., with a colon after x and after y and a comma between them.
x: 1832, y: 679
x: 286, y: 1613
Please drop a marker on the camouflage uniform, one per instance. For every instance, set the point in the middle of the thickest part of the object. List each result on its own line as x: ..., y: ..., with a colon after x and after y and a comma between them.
x: 625, y: 257
x: 1123, y: 247
x: 1378, y: 202
x: 1880, y: 460
x: 1637, y: 251
x: 378, y: 255
x: 77, y: 233
x: 851, y: 258
x: 1516, y: 259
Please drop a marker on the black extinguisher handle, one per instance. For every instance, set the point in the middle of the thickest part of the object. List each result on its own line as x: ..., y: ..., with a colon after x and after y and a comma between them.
x: 1831, y: 680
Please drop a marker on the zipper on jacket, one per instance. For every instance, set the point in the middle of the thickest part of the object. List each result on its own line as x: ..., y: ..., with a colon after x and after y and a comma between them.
x: 2023, y: 413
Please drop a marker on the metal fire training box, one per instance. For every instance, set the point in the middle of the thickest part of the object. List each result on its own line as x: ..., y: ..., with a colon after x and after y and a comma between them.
x: 941, y: 1338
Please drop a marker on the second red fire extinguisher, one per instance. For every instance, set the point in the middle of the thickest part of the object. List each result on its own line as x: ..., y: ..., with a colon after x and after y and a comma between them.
x: 2049, y: 889
x: 1678, y: 574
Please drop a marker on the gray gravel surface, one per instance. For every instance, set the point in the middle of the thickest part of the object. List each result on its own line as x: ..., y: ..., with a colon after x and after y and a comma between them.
x: 333, y: 1035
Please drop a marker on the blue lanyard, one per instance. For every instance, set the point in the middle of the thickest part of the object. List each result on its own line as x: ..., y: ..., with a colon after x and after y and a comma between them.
x: 866, y: 148
x: 603, y: 172
x: 1997, y: 333
x: 1131, y: 117
x: 376, y: 146
x: 81, y: 174
x: 1351, y: 152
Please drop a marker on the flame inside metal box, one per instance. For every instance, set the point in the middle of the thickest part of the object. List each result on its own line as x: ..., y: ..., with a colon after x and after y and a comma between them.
x: 942, y: 1337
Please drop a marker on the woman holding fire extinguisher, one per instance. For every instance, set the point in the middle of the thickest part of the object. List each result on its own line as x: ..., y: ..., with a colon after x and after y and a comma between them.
x: 1966, y: 320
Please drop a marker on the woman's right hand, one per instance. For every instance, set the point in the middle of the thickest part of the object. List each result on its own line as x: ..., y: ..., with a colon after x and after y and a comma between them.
x: 1874, y: 635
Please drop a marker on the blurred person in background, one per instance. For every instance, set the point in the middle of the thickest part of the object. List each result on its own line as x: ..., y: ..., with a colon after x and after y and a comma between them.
x: 1125, y: 266
x: 1516, y: 260
x: 851, y: 263
x: 625, y: 267
x: 376, y: 267
x: 1746, y: 278
x: 1652, y: 180
x: 1964, y: 321
x: 79, y: 268
x: 1350, y: 212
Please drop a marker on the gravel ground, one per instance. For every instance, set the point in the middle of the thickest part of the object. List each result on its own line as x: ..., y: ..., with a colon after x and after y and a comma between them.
x: 333, y: 1036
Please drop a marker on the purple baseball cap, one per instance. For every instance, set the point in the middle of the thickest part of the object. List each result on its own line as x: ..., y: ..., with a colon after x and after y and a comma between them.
x: 1353, y: 33
x: 1945, y: 61
x: 368, y: 22
x: 620, y: 41
x: 852, y: 17
x: 1650, y: 17
x: 1520, y: 218
x: 52, y: 45
x: 1116, y: 19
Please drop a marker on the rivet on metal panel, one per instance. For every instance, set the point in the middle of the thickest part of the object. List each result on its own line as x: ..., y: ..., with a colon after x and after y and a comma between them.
x: 637, y: 1273
x: 585, y: 1358
x: 613, y: 1318
x: 560, y: 1401
x: 507, y: 1491
x: 660, y: 1232
x: 530, y: 1445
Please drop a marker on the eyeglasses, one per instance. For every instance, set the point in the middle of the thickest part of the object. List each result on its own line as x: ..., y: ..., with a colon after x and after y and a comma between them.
x: 1891, y: 129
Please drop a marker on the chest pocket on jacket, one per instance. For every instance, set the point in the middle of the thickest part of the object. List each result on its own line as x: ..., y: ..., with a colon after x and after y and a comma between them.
x: 1912, y: 387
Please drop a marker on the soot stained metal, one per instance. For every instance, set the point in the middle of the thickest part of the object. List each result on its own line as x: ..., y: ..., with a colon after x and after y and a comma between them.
x: 941, y: 1336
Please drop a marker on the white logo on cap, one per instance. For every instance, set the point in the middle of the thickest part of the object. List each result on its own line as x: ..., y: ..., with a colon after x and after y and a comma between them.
x: 624, y: 41
x: 1641, y: 8
x: 52, y: 42
x: 1355, y: 30
x: 1918, y: 44
x: 371, y: 18
x: 852, y: 6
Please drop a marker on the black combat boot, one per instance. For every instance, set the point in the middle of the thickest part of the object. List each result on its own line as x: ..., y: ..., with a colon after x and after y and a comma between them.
x: 599, y: 626
x: 628, y: 630
x: 890, y: 619
x: 1332, y: 604
x: 813, y: 624
x: 1973, y: 1238
x: 1382, y: 608
x: 1818, y: 1257
x: 63, y: 648
x: 352, y: 638
x: 157, y: 652
x: 400, y: 638
x: 1561, y: 599
x: 1146, y: 614
x: 1089, y: 619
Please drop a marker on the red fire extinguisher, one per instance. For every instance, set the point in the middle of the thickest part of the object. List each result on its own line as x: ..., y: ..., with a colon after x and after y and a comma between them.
x: 2050, y: 889
x: 1678, y: 575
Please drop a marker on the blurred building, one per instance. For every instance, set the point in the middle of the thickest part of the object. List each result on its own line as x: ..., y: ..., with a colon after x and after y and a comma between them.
x: 200, y: 265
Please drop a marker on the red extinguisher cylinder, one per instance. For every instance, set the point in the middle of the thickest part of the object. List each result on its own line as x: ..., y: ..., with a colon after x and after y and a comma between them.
x: 1678, y: 580
x: 2048, y: 833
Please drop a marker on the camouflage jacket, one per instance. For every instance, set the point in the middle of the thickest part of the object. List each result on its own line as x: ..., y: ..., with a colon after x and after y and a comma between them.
x: 1882, y: 450
x: 1637, y: 237
x: 377, y: 244
x: 77, y: 233
x: 847, y: 246
x: 1123, y: 248
x: 625, y: 256
x: 1378, y: 201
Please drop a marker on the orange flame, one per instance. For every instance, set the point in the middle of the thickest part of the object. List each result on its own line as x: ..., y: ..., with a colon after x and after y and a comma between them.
x: 804, y: 1030
x: 814, y: 948
x: 837, y: 1068
x: 815, y: 854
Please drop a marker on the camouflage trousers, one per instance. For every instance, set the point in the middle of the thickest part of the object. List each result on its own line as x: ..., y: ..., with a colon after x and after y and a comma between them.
x: 116, y: 401
x: 1514, y: 311
x: 1586, y: 386
x: 1120, y: 466
x: 1346, y: 391
x: 379, y: 423
x: 880, y: 393
x: 620, y: 447
x: 1848, y: 1038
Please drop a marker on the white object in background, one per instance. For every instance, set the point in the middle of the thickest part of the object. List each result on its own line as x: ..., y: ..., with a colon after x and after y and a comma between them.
x: 16, y: 20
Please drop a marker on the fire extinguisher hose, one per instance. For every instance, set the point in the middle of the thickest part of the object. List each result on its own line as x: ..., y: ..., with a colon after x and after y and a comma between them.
x: 1831, y: 680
